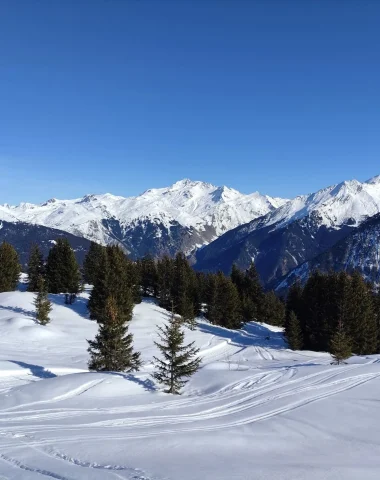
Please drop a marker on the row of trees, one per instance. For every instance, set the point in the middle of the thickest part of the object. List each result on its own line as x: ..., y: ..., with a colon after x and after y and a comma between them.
x: 336, y: 312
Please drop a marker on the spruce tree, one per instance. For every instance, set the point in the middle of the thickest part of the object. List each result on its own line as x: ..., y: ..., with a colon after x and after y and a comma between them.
x: 62, y: 269
x: 165, y: 278
x: 363, y: 327
x: 92, y: 263
x: 35, y: 268
x: 272, y: 309
x: 183, y: 288
x: 100, y: 291
x: 112, y: 349
x: 10, y: 268
x: 148, y: 275
x: 227, y: 304
x: 179, y: 361
x: 293, y: 332
x: 42, y: 302
x: 340, y: 344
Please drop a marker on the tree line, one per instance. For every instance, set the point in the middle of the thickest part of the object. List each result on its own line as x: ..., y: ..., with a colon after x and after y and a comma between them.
x: 334, y: 312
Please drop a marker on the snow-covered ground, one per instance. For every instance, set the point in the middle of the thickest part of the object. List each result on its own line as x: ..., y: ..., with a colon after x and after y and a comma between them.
x: 254, y: 411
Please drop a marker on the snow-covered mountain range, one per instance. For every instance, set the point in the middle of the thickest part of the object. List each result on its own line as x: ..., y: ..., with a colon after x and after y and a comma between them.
x: 184, y: 216
x: 295, y: 232
x: 218, y: 226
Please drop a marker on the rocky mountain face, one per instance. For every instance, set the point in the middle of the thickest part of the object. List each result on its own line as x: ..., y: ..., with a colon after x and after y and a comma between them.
x: 360, y: 250
x: 23, y: 235
x: 294, y: 233
x: 183, y: 217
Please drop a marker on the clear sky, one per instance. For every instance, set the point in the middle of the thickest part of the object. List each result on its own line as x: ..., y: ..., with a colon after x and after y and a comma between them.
x: 280, y: 96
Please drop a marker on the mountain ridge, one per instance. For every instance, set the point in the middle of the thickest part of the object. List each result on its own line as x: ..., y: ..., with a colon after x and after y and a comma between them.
x: 181, y: 217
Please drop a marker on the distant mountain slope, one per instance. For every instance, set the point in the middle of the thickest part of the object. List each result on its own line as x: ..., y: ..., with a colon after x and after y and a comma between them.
x: 294, y: 233
x: 22, y: 236
x: 182, y: 217
x: 360, y: 250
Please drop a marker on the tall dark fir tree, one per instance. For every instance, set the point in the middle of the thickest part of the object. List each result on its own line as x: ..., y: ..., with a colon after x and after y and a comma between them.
x: 36, y: 268
x: 10, y: 268
x: 112, y: 349
x: 92, y: 263
x: 62, y: 269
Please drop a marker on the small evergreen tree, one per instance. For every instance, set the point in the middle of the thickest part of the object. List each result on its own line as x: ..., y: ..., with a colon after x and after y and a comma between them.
x: 112, y: 349
x: 35, y: 268
x: 179, y: 360
x: 10, y: 268
x: 340, y: 345
x: 42, y: 303
x: 293, y: 332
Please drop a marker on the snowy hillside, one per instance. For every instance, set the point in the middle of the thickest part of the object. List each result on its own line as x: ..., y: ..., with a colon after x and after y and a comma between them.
x: 254, y: 409
x: 196, y: 210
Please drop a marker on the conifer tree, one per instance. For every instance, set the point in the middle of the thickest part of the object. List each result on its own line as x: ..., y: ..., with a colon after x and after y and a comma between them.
x: 272, y: 309
x: 293, y: 332
x: 182, y: 289
x: 35, y: 268
x: 62, y: 269
x: 179, y: 361
x: 91, y: 264
x: 227, y: 305
x: 113, y: 280
x: 363, y: 327
x: 165, y: 277
x: 101, y: 290
x: 10, y: 268
x: 112, y: 349
x: 42, y: 303
x: 148, y: 274
x: 340, y: 345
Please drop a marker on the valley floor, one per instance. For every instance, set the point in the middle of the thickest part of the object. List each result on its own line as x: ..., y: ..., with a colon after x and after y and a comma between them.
x: 254, y: 411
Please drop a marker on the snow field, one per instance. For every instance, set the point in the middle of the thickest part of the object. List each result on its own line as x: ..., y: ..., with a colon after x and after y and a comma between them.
x: 255, y: 410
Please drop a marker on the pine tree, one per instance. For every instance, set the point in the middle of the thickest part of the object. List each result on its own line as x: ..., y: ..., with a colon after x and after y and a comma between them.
x: 35, y: 268
x: 362, y: 327
x: 294, y: 305
x: 42, y: 303
x: 100, y: 291
x: 148, y: 275
x: 112, y: 349
x: 182, y: 289
x: 92, y: 263
x: 165, y: 277
x: 62, y: 269
x: 340, y: 345
x: 272, y: 309
x: 10, y: 268
x: 227, y: 304
x: 112, y: 281
x: 293, y: 332
x: 179, y: 361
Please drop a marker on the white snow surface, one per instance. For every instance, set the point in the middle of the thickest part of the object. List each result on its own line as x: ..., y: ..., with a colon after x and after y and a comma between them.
x: 255, y: 410
x: 347, y: 202
x: 190, y: 203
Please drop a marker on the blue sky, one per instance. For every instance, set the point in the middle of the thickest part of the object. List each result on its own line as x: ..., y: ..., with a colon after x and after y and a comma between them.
x: 124, y: 95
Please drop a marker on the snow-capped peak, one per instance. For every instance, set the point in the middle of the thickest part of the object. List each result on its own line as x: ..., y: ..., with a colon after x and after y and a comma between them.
x: 347, y: 202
